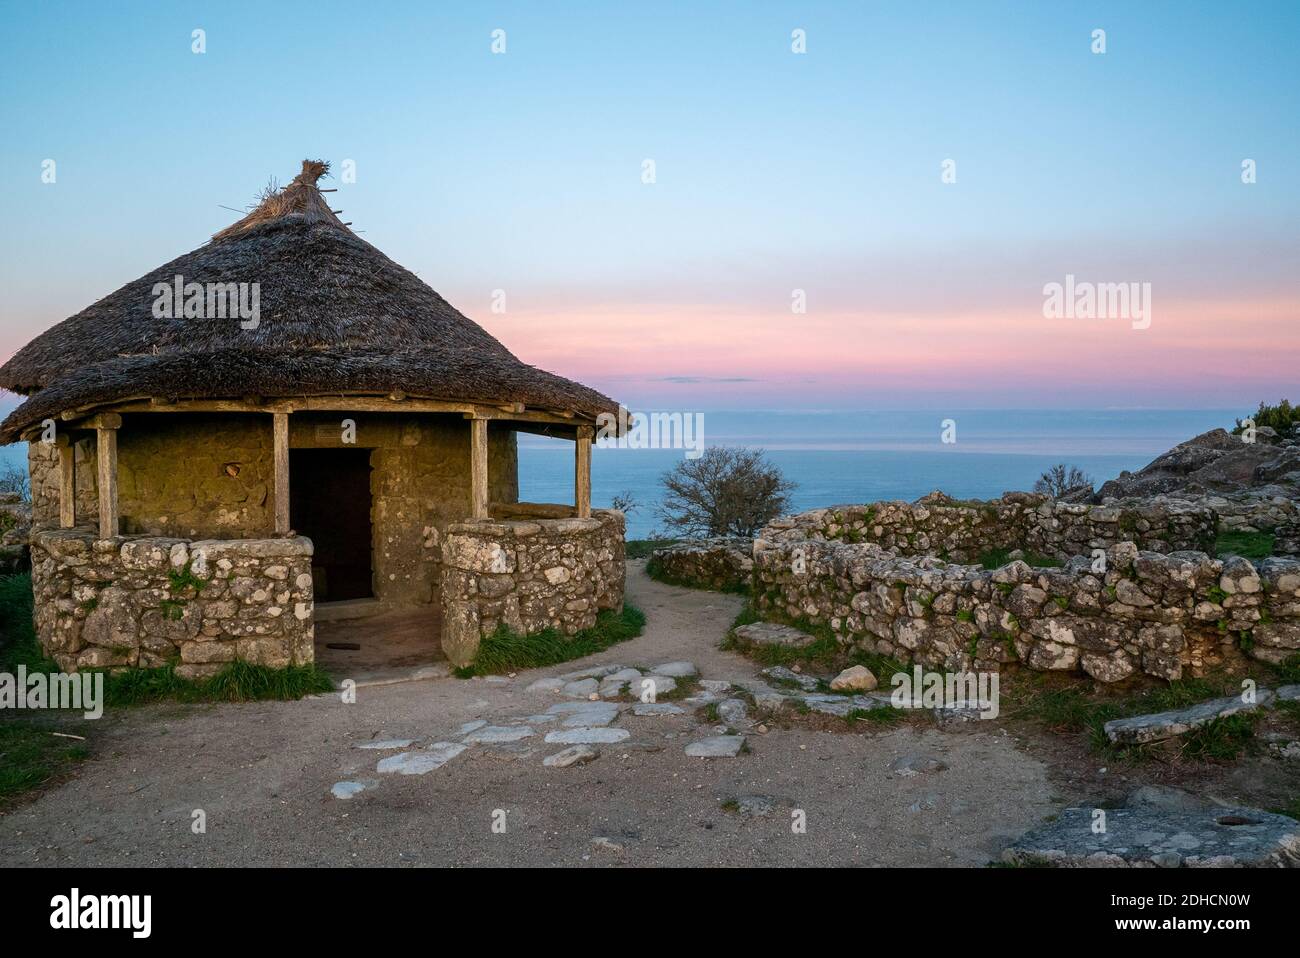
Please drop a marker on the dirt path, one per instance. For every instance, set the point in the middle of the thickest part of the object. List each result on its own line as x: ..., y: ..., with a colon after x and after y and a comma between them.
x: 262, y: 776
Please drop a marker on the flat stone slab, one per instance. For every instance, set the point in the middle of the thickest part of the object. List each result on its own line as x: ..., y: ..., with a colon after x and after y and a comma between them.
x: 733, y: 711
x: 779, y: 673
x: 347, y: 790
x: 715, y: 685
x: 592, y: 672
x: 587, y: 736
x: 470, y: 727
x: 680, y: 670
x: 581, y: 688
x: 655, y: 685
x: 837, y: 705
x: 719, y: 746
x: 612, y: 688
x: 418, y: 763
x: 770, y: 633
x: 1153, y: 728
x: 1287, y: 693
x: 623, y: 675
x: 1214, y: 838
x: 497, y: 734
x: 657, y: 708
x: 387, y: 743
x: 573, y: 755
x: 599, y: 713
x: 545, y: 685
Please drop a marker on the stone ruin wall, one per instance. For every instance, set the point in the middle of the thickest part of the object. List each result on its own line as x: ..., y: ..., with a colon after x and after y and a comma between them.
x: 147, y: 601
x: 528, y: 575
x: 962, y: 531
x: 1166, y: 616
x: 722, y: 564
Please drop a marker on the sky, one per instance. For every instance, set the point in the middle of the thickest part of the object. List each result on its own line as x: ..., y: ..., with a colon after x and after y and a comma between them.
x: 774, y: 172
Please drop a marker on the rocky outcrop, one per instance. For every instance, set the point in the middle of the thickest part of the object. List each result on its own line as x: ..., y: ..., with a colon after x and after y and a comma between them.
x: 528, y: 575
x: 723, y: 564
x: 1215, y: 462
x: 146, y: 601
x: 1145, y: 837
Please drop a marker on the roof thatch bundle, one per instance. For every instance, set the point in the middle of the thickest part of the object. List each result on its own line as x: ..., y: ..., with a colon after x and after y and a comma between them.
x: 337, y: 317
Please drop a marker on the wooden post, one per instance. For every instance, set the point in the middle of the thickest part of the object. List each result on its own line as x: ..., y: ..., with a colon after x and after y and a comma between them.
x: 478, y: 468
x: 280, y: 439
x: 67, y: 482
x: 582, y: 473
x: 106, y: 427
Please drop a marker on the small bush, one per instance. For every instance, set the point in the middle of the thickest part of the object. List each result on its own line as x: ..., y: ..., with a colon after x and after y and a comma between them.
x: 1283, y: 417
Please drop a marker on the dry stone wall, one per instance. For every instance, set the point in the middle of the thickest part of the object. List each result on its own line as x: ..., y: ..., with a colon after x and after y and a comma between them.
x: 962, y: 531
x: 146, y: 601
x: 528, y: 575
x: 1165, y: 615
x: 724, y: 564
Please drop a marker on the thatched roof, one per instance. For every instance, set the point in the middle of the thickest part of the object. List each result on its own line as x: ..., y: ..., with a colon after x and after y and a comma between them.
x: 337, y: 316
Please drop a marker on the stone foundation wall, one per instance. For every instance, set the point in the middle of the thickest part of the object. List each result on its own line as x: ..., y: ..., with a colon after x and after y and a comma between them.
x: 528, y: 574
x: 146, y: 601
x: 1162, y: 615
x: 721, y: 564
x: 962, y: 531
x: 200, y: 476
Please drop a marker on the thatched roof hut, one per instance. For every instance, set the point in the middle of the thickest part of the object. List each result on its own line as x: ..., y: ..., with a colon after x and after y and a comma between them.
x: 337, y: 318
x: 178, y: 406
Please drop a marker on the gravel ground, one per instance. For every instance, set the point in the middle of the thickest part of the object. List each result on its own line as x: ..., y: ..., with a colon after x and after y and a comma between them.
x: 262, y: 774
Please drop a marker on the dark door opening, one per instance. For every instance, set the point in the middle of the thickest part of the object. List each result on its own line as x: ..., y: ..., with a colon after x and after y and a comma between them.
x: 329, y: 502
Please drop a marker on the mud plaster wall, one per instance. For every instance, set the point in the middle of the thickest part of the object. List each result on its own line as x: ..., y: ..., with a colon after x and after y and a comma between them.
x: 175, y: 480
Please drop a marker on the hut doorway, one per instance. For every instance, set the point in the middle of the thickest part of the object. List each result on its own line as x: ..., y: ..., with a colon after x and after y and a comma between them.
x: 329, y: 503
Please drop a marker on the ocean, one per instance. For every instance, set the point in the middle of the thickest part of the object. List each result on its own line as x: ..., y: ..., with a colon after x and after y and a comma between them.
x: 837, y: 456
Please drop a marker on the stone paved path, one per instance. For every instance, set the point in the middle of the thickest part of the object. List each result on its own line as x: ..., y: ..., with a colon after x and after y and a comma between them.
x: 454, y: 772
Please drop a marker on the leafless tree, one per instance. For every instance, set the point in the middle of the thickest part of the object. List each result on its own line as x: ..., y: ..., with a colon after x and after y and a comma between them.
x: 725, y: 492
x: 1061, y: 480
x: 624, y: 502
x: 15, y: 479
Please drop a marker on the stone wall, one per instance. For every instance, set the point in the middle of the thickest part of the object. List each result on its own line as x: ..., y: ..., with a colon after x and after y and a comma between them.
x: 721, y: 564
x: 962, y: 531
x: 146, y: 601
x: 196, y: 476
x: 529, y: 574
x: 1162, y: 615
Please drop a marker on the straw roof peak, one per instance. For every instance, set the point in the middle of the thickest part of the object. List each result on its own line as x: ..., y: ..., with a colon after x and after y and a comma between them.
x: 301, y: 199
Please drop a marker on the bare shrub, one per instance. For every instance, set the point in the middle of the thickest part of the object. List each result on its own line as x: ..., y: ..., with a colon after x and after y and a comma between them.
x: 725, y: 492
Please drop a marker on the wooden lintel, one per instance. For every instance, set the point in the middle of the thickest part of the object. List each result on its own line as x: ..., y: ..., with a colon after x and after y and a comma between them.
x: 105, y: 420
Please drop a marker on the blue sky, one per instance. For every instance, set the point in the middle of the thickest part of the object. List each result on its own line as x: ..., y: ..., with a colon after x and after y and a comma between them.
x: 774, y: 171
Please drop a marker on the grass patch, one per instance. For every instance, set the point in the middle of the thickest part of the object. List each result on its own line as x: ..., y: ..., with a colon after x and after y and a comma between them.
x: 507, y: 651
x: 31, y: 756
x: 997, y: 558
x: 1248, y: 545
x: 641, y: 548
x: 236, y: 682
x: 1223, y: 739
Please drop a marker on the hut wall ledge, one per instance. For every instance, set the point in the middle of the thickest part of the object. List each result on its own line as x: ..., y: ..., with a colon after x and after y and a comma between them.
x: 146, y: 601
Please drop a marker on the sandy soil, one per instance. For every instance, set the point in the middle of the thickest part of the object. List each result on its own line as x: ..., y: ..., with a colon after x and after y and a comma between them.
x: 262, y: 775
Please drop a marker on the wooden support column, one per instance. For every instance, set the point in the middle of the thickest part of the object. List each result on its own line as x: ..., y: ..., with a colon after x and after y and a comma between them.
x: 106, y: 426
x: 582, y: 472
x: 67, y: 482
x: 478, y: 468
x: 280, y: 439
